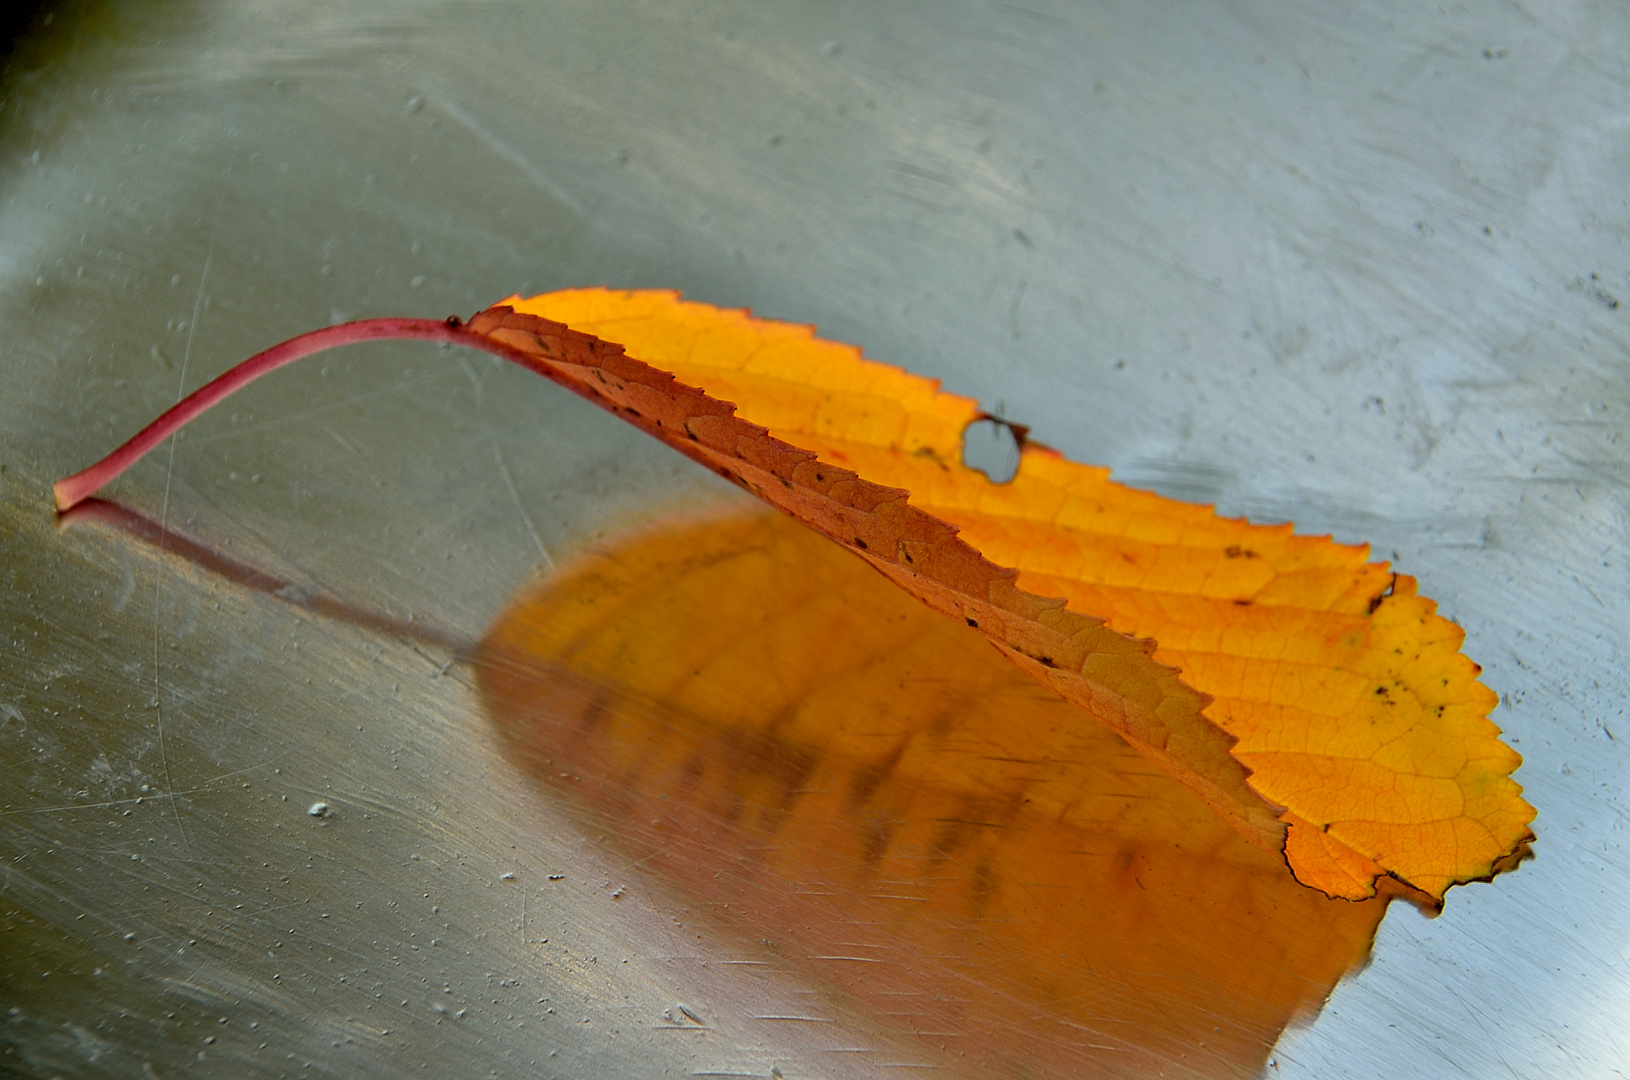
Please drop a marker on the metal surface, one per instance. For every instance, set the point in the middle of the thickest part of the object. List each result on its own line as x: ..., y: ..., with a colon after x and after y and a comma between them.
x: 1359, y: 266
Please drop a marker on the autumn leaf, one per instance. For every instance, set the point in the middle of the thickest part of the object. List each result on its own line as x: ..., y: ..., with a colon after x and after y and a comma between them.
x: 1347, y: 694
x: 877, y: 801
x: 1326, y: 709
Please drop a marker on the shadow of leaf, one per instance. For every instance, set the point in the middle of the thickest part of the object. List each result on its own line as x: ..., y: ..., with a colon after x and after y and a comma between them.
x: 869, y: 793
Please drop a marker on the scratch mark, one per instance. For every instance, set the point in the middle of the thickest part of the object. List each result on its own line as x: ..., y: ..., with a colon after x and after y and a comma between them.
x: 164, y: 520
x: 134, y: 800
x: 509, y: 482
x: 127, y: 586
x: 440, y: 668
x: 1587, y: 588
x: 903, y: 1065
x: 469, y: 371
x: 501, y: 149
x: 345, y: 444
x: 408, y: 382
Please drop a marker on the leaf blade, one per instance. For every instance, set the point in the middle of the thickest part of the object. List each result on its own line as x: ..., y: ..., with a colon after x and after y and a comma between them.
x: 1304, y: 643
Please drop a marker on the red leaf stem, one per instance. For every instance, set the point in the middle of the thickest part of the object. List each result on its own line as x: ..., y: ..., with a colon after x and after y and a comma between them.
x: 72, y: 490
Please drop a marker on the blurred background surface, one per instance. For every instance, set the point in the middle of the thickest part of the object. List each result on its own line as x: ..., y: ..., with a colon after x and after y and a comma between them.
x: 1361, y: 267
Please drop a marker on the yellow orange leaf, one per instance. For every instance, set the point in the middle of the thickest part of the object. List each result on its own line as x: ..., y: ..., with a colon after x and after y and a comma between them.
x: 1324, y: 678
x: 1092, y: 665
x: 870, y: 796
x: 1321, y: 676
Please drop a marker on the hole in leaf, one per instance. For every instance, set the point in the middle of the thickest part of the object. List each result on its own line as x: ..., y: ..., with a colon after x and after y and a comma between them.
x: 992, y: 447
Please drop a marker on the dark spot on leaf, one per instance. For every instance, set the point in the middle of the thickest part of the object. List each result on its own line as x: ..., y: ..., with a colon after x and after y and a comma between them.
x: 932, y: 455
x: 973, y: 624
x: 1383, y: 594
x: 859, y: 543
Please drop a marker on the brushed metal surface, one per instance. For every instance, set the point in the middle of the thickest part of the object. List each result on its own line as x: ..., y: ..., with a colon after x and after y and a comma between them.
x: 1359, y: 266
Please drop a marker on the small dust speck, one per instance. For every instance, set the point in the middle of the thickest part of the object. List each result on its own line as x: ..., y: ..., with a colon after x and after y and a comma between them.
x: 319, y: 810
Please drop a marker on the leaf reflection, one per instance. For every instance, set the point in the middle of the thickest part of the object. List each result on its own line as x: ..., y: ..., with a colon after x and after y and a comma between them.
x: 890, y: 807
